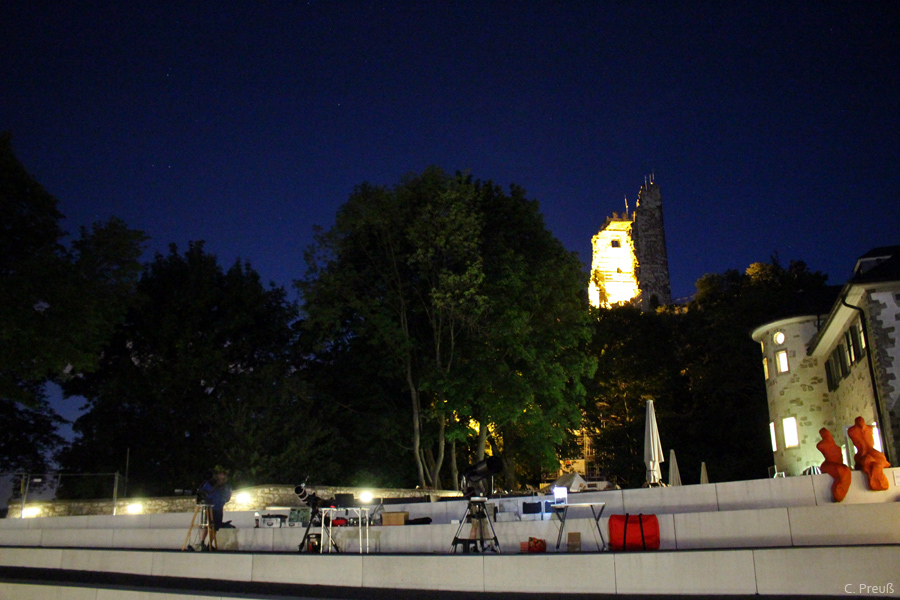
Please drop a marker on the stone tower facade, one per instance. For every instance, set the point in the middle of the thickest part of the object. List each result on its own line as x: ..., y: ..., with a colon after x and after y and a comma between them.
x: 630, y: 263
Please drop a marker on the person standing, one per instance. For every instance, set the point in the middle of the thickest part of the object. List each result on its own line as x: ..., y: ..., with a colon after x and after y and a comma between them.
x: 216, y: 492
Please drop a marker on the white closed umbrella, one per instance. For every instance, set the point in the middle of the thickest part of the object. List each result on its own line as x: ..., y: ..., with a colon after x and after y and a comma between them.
x: 653, y: 452
x: 704, y: 476
x: 674, y: 473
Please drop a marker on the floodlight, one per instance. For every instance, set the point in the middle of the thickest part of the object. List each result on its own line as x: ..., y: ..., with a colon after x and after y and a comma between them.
x: 135, y: 509
x: 366, y: 497
x: 243, y: 498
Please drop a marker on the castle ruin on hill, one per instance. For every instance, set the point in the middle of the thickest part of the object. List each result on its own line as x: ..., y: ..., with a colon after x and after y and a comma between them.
x: 630, y: 264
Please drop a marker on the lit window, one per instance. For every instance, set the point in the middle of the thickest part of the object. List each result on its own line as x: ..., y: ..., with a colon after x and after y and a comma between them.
x: 861, y: 334
x: 762, y: 346
x: 778, y: 337
x: 848, y: 344
x: 766, y: 367
x: 791, y: 435
x: 781, y: 359
x: 772, y: 435
x: 876, y: 437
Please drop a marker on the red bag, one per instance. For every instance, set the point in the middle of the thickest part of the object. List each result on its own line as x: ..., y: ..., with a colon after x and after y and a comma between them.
x: 633, y: 532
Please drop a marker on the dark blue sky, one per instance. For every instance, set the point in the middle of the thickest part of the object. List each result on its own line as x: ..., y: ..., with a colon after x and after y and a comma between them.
x: 770, y: 126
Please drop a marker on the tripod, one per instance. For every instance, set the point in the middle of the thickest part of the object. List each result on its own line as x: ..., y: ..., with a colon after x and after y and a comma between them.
x: 205, y: 524
x: 313, y: 515
x: 476, y: 540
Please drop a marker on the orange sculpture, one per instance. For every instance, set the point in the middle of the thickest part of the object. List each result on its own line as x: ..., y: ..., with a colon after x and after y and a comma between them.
x: 867, y: 459
x: 834, y: 465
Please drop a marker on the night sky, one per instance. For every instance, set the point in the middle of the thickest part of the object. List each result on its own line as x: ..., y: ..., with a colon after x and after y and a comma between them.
x: 770, y: 127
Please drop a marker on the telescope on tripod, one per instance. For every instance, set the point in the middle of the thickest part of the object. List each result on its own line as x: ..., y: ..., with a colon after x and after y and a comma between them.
x: 315, y: 517
x: 478, y: 478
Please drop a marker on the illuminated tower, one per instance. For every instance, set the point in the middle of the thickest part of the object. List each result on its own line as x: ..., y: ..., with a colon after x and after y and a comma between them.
x: 630, y: 263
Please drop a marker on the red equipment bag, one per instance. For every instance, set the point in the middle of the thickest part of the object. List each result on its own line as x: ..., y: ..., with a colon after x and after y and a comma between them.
x: 633, y: 532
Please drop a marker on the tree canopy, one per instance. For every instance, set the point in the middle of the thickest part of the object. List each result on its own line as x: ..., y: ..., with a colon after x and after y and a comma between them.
x: 202, y: 372
x: 468, y: 304
x: 58, y: 306
x: 702, y: 369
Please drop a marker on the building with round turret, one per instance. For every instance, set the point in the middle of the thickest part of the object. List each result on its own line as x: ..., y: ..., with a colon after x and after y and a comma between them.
x: 825, y: 368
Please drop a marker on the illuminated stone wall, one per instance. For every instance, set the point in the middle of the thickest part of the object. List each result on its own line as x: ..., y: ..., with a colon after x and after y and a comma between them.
x: 629, y: 259
x: 613, y: 279
x: 255, y: 498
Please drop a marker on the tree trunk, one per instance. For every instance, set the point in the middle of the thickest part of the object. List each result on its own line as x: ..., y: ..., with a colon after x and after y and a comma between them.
x: 439, y: 460
x: 510, y: 481
x: 454, y: 470
x: 417, y: 422
x: 482, y: 441
x: 429, y: 467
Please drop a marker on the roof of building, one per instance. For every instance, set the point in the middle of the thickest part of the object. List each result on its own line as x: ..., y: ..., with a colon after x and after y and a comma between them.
x: 877, y: 265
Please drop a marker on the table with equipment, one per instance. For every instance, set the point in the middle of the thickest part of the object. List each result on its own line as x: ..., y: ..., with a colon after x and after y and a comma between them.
x: 562, y: 511
x: 329, y: 514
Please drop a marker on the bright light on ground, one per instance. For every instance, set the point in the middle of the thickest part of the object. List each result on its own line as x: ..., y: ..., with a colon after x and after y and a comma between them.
x: 31, y: 511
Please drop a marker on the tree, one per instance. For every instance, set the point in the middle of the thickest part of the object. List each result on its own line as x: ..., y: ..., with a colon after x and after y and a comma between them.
x: 727, y: 417
x: 467, y: 300
x: 58, y: 306
x: 701, y: 367
x: 201, y: 373
x: 639, y: 358
x: 29, y: 437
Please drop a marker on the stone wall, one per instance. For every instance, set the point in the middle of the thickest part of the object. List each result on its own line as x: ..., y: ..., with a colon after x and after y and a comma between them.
x: 884, y: 320
x: 257, y: 498
x: 650, y: 249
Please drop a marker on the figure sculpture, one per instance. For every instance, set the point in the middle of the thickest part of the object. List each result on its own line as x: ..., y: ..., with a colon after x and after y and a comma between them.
x: 867, y: 459
x: 834, y: 465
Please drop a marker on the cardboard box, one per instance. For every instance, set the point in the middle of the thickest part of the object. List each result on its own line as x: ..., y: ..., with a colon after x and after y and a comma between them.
x: 573, y: 542
x: 394, y: 518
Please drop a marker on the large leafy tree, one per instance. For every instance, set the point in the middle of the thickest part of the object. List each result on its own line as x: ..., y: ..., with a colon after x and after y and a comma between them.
x: 58, y: 306
x: 470, y: 305
x: 201, y: 373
